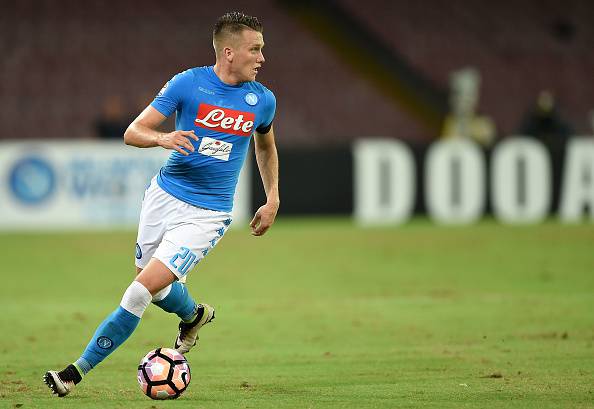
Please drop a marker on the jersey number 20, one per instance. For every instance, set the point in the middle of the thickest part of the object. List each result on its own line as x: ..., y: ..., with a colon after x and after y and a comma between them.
x: 186, y: 259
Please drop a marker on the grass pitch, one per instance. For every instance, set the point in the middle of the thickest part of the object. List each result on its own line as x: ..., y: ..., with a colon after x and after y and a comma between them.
x: 321, y: 314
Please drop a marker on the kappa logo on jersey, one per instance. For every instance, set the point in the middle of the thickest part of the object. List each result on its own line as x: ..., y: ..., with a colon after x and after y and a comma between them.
x: 163, y: 89
x: 216, y: 149
x: 225, y: 120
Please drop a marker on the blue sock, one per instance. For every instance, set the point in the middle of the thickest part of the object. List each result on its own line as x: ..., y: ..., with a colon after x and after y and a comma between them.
x: 179, y: 301
x: 112, y: 332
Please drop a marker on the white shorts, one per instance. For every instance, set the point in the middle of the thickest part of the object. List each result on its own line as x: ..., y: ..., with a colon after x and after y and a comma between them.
x: 175, y: 232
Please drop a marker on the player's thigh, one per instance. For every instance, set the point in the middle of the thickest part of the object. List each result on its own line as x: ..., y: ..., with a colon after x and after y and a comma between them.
x: 155, y: 276
x: 158, y: 209
x: 186, y: 243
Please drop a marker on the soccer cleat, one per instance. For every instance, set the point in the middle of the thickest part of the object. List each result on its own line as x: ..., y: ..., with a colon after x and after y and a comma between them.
x: 188, y: 331
x: 57, y: 385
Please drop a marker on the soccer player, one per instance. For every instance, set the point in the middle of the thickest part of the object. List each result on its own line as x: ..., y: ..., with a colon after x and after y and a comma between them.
x: 186, y: 208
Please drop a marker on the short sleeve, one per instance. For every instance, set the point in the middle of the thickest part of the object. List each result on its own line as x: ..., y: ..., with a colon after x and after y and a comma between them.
x: 267, y: 113
x: 170, y: 98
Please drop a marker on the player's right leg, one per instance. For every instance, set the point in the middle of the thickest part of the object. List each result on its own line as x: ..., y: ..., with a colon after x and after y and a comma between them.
x: 115, y: 329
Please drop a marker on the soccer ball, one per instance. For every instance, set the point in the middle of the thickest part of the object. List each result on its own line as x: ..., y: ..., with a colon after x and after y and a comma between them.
x: 163, y: 373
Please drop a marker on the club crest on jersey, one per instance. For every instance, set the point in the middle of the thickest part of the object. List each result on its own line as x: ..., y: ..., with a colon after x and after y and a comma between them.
x: 251, y: 99
x: 225, y: 120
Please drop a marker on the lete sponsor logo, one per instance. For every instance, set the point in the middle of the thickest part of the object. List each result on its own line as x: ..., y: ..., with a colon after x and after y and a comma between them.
x: 225, y: 120
x: 215, y: 148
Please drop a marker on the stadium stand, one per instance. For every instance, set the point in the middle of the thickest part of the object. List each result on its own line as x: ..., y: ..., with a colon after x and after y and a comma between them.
x: 61, y: 60
x: 520, y: 48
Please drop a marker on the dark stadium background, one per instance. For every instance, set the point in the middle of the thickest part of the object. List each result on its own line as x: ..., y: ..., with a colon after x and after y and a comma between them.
x: 341, y: 70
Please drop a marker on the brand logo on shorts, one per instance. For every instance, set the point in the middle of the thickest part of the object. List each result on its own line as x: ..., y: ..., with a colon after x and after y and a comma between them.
x: 138, y: 252
x: 104, y: 342
x: 215, y: 148
x: 225, y: 120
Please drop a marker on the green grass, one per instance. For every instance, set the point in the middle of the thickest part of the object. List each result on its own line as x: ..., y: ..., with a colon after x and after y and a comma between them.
x: 321, y: 314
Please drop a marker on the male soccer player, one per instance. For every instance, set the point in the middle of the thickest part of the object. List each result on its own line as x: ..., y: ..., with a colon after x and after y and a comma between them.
x: 186, y: 207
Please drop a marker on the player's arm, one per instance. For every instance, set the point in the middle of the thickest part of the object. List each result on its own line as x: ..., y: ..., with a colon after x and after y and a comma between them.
x: 143, y: 133
x: 267, y: 159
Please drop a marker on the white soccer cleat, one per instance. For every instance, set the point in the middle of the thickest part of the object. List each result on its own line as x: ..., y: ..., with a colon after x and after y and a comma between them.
x: 188, y: 331
x: 57, y: 385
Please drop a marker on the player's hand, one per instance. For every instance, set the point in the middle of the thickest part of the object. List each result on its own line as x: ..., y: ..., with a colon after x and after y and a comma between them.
x: 263, y: 219
x: 178, y: 140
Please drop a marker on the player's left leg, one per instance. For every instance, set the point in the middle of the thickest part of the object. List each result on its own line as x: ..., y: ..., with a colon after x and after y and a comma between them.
x: 175, y: 299
x: 159, y: 211
x: 115, y: 329
x: 185, y: 243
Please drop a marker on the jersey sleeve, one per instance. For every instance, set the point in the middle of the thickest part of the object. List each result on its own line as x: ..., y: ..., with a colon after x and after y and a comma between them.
x: 171, y: 96
x: 267, y: 113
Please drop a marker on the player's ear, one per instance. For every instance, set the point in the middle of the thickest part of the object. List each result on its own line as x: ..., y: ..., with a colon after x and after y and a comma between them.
x: 228, y: 53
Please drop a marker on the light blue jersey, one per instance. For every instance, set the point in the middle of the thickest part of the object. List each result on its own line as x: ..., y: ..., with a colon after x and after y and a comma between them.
x: 224, y: 117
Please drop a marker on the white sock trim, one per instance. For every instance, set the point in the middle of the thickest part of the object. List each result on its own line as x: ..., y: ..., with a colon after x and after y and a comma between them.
x: 136, y: 299
x: 160, y: 295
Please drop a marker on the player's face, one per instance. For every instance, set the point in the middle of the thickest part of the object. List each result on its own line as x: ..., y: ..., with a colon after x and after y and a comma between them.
x: 248, y: 57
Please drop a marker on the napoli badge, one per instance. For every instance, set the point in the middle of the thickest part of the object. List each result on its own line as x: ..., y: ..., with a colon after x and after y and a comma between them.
x: 251, y: 98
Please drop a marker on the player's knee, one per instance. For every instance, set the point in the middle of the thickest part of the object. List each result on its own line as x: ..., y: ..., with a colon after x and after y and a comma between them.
x: 136, y: 299
x: 160, y: 295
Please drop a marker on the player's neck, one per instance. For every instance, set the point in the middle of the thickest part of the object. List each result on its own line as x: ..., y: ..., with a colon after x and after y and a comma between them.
x: 226, y: 76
